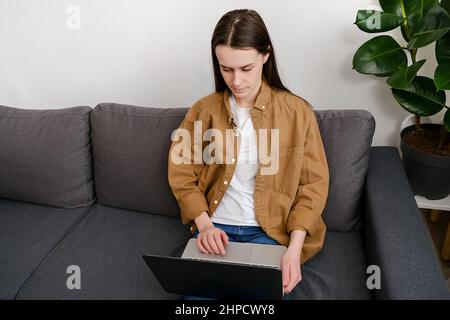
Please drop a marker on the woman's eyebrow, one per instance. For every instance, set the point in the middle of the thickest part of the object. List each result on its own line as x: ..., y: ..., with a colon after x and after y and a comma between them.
x: 248, y: 65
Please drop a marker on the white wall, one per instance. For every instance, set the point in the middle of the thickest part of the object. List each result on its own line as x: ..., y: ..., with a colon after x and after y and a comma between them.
x: 156, y: 53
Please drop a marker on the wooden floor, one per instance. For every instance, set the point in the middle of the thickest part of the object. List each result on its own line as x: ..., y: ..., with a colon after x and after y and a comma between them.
x: 438, y: 230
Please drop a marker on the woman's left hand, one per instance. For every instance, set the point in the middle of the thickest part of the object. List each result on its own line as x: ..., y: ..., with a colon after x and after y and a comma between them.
x: 290, y: 269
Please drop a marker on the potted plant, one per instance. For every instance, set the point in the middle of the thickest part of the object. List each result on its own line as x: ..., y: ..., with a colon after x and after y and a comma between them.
x: 425, y: 147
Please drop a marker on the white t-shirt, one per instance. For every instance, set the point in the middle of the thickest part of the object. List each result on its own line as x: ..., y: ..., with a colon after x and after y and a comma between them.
x: 236, y: 206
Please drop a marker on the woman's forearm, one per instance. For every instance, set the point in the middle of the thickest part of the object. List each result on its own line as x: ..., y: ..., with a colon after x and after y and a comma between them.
x: 296, y: 240
x: 203, y: 221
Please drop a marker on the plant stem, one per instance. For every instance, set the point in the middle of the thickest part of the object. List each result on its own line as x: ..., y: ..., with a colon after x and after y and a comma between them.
x: 413, y: 53
x: 417, y: 122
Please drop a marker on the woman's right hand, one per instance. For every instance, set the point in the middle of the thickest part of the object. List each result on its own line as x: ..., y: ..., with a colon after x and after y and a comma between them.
x: 212, y: 240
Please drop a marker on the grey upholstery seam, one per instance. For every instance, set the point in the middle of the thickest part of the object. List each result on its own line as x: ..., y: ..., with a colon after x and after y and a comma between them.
x: 139, y: 116
x: 50, y: 253
x: 48, y: 116
x: 91, y: 163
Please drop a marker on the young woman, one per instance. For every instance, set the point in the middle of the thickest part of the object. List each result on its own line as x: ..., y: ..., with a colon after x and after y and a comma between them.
x: 268, y: 181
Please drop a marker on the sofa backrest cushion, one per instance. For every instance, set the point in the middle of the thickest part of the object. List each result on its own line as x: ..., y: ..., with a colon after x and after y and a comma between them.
x: 347, y: 138
x: 131, y: 147
x: 45, y: 156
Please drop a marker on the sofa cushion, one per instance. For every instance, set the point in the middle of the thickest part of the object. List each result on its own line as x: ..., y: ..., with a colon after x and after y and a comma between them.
x: 45, y: 156
x: 137, y: 140
x: 337, y: 272
x: 131, y: 147
x: 28, y: 232
x: 108, y: 246
x: 347, y: 137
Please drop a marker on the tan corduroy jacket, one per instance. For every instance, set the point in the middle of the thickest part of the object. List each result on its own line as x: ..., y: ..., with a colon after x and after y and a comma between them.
x: 290, y: 198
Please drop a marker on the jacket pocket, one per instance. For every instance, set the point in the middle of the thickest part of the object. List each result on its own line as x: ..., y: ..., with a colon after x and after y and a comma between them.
x: 287, y: 178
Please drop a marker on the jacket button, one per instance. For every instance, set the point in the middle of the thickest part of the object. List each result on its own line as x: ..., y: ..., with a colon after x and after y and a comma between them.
x: 225, y: 182
x: 263, y: 107
x: 215, y: 201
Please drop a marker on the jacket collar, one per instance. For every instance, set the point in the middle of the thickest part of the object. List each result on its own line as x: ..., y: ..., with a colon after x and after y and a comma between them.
x: 262, y: 100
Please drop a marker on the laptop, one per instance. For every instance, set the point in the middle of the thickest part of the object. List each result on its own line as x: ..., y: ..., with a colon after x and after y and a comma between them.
x: 246, y: 271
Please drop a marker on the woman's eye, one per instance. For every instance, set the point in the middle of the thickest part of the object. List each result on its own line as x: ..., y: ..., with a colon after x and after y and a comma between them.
x: 246, y: 70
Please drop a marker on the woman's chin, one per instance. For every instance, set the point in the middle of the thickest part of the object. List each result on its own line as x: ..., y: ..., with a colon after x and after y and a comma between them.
x: 240, y: 93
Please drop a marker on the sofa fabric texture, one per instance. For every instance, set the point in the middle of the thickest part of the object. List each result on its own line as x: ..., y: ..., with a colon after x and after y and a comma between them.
x: 46, y: 156
x: 88, y: 188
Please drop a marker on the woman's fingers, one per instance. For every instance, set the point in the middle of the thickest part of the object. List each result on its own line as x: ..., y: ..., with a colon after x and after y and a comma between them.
x: 212, y: 243
x: 294, y: 275
x: 224, y: 237
x: 291, y: 278
x: 219, y: 244
x: 285, y: 274
x: 200, y: 245
x: 205, y: 243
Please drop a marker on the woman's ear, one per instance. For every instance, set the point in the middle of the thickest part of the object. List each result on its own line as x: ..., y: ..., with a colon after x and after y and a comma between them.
x: 267, y: 54
x: 265, y: 57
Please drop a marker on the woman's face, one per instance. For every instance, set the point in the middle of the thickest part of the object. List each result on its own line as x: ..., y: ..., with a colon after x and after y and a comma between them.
x: 241, y: 69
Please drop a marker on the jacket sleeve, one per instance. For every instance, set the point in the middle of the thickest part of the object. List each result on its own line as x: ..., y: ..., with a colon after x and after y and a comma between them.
x: 183, y: 177
x: 312, y: 191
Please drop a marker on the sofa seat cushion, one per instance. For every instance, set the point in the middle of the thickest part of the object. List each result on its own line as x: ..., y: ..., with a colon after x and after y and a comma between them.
x: 109, y: 243
x: 337, y: 272
x: 28, y: 233
x: 107, y: 247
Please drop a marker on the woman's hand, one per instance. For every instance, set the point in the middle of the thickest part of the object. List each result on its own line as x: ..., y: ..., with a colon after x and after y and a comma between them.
x: 290, y: 261
x: 290, y: 269
x: 212, y: 240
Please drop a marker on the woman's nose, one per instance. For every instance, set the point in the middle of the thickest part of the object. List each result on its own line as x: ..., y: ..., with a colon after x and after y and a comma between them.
x: 236, y: 79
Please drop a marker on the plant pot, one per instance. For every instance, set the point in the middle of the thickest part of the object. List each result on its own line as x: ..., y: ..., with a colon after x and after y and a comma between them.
x: 428, y: 174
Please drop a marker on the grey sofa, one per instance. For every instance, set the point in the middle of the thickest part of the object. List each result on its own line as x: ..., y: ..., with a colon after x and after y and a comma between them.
x: 88, y: 187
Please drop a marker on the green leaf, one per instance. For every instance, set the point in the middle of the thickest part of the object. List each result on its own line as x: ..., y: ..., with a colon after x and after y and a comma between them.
x: 447, y: 120
x: 442, y: 76
x: 435, y: 24
x: 377, y: 21
x: 416, y: 15
x: 443, y: 49
x: 446, y: 5
x: 379, y: 56
x: 401, y: 79
x: 400, y: 8
x: 392, y: 6
x: 414, y: 18
x: 429, y: 3
x: 421, y: 97
x: 410, y: 10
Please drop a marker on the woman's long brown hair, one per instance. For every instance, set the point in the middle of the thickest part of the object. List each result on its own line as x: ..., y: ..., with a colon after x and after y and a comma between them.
x: 244, y: 28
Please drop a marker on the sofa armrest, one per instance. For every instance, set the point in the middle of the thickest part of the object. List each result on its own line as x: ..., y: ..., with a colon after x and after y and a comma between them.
x: 396, y: 236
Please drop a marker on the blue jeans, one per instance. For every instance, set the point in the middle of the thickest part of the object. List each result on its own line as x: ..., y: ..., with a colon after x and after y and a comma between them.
x: 251, y: 234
